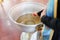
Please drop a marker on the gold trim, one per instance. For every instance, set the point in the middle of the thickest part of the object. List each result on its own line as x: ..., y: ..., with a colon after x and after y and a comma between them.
x: 55, y: 16
x: 55, y: 8
x: 51, y: 34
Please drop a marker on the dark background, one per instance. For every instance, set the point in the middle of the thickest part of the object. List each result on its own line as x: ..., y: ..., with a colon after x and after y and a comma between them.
x: 58, y: 9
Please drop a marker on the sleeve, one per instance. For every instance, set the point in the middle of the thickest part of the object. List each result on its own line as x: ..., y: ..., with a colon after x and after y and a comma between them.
x: 50, y: 22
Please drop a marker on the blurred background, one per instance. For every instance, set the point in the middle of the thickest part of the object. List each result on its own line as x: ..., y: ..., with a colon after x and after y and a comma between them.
x: 7, y: 29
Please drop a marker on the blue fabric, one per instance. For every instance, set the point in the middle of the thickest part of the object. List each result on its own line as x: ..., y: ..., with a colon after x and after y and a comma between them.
x: 50, y: 8
x: 46, y: 34
x: 50, y: 13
